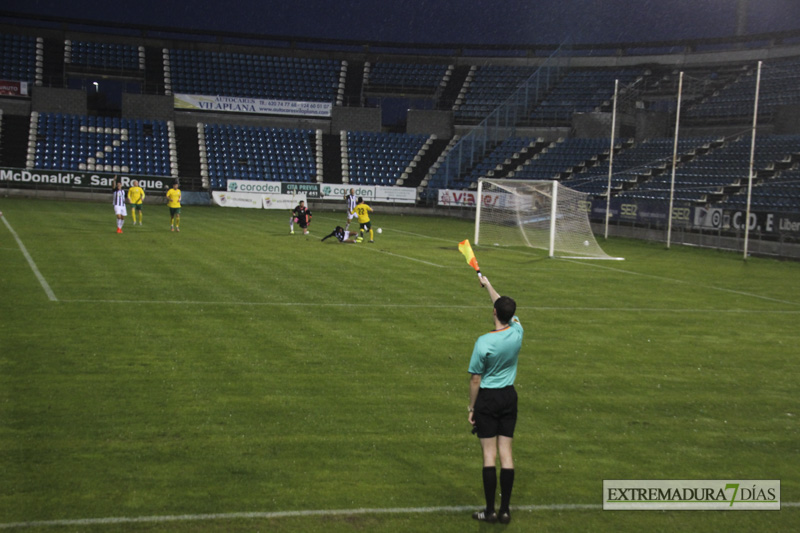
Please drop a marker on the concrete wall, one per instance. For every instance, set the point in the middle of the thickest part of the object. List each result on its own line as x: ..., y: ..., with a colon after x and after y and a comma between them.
x: 439, y: 123
x: 50, y: 100
x: 787, y: 120
x: 15, y: 106
x: 148, y: 106
x: 355, y: 119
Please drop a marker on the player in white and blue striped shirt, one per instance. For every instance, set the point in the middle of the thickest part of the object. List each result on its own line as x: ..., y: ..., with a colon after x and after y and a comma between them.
x: 119, y: 204
x: 352, y: 201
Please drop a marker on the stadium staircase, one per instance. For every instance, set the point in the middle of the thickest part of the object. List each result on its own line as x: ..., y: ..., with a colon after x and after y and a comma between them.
x: 15, y: 141
x: 450, y: 92
x: 153, y: 71
x: 331, y: 159
x: 188, y: 158
x: 53, y: 63
x: 354, y: 85
x: 424, y: 164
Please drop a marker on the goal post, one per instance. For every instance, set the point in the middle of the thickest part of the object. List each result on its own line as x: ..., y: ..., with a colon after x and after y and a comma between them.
x: 537, y: 214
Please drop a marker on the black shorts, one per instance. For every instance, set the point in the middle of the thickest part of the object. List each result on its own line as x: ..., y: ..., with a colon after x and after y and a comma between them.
x: 496, y: 412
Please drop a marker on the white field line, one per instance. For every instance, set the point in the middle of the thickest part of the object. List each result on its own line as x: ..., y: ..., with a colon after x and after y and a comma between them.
x: 624, y: 271
x: 402, y: 256
x: 50, y: 294
x: 296, y: 514
x: 684, y: 282
x: 409, y: 258
x: 430, y: 306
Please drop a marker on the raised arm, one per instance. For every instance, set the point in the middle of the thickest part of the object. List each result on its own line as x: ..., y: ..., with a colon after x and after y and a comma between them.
x: 488, y: 286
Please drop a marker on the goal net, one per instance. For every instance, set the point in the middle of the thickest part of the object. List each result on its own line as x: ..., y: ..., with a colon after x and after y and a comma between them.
x: 538, y: 214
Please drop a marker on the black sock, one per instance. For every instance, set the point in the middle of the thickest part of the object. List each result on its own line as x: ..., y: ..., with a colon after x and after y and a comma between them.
x: 489, y: 486
x: 506, y: 484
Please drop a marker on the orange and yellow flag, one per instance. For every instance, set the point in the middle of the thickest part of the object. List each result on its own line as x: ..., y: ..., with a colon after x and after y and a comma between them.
x: 466, y: 249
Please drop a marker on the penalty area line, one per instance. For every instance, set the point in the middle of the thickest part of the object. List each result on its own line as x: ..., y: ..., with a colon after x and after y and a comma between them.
x: 281, y: 514
x: 301, y: 514
x: 50, y: 294
x: 404, y: 257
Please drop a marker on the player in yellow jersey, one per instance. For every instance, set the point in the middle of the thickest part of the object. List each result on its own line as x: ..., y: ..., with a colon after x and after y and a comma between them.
x: 174, y: 204
x: 363, y: 211
x: 136, y: 197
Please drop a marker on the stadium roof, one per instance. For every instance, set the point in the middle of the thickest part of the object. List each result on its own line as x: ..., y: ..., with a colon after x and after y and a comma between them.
x: 446, y: 21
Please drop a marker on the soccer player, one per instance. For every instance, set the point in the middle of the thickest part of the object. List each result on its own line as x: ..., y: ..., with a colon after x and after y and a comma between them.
x: 302, y: 215
x: 493, y: 401
x: 174, y: 204
x: 363, y: 211
x: 136, y: 197
x: 340, y: 233
x: 351, y: 205
x: 119, y: 204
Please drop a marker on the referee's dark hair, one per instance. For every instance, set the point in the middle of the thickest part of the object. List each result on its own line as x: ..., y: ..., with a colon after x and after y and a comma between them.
x: 505, y: 307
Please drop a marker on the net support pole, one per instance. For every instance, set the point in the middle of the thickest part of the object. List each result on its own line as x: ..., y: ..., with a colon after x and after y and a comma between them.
x: 553, y: 213
x: 611, y: 157
x: 478, y: 205
x: 674, y: 160
x: 752, y: 158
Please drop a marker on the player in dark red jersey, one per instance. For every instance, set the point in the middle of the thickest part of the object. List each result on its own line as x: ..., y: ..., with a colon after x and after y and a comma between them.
x: 302, y: 215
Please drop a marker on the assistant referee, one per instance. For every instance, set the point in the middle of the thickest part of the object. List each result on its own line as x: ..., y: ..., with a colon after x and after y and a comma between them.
x: 493, y: 401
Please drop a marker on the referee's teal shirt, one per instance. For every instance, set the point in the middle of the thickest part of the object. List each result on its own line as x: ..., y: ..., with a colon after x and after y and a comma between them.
x: 495, y: 355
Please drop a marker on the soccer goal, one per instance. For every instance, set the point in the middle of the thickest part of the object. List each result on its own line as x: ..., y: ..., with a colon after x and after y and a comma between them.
x: 538, y: 214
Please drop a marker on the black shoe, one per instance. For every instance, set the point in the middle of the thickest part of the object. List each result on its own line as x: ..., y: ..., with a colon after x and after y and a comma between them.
x: 483, y: 516
x: 505, y: 517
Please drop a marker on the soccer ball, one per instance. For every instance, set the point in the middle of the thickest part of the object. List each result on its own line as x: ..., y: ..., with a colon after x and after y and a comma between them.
x: 380, y: 230
x: 586, y: 243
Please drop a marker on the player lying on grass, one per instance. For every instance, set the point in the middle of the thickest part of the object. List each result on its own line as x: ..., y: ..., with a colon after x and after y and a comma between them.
x: 341, y: 234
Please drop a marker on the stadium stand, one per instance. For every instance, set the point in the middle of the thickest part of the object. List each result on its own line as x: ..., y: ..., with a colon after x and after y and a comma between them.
x: 562, y: 157
x: 75, y: 142
x: 21, y: 58
x: 253, y: 76
x: 779, y: 86
x: 485, y: 88
x: 418, y: 78
x: 104, y: 55
x: 581, y: 91
x: 500, y: 161
x: 721, y: 171
x: 380, y: 159
x: 636, y: 163
x: 712, y: 169
x: 256, y: 153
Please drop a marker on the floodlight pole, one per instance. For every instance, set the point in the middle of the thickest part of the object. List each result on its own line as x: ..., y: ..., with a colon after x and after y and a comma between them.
x: 752, y: 157
x: 674, y: 160
x: 611, y: 157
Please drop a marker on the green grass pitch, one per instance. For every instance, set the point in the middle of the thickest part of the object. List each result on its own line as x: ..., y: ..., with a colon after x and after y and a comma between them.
x: 234, y: 368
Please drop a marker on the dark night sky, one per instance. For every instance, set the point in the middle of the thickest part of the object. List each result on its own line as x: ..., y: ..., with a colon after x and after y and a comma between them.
x: 438, y: 21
